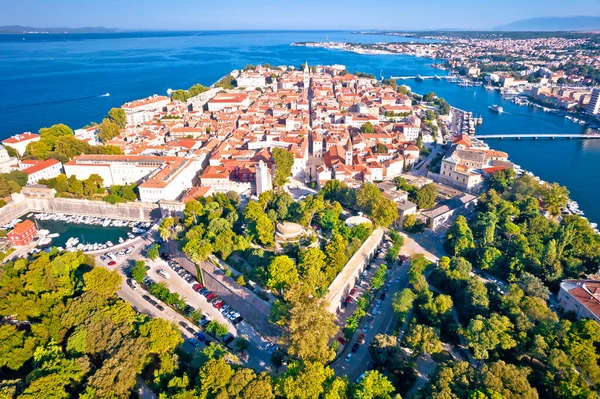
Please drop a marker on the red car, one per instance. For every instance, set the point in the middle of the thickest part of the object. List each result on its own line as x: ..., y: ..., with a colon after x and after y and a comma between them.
x: 341, y: 340
x: 210, y: 296
x: 112, y: 263
x: 348, y: 299
x: 197, y: 287
x: 219, y: 304
x: 352, y: 291
x: 361, y: 338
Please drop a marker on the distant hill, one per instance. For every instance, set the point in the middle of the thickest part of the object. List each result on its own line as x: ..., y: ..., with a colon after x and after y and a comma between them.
x: 572, y: 24
x: 17, y: 29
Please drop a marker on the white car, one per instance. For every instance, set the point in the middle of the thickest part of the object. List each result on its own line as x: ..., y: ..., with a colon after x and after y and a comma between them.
x: 163, y: 274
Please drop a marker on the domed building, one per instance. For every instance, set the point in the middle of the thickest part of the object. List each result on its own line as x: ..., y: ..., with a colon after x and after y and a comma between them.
x: 356, y: 220
x: 289, y: 231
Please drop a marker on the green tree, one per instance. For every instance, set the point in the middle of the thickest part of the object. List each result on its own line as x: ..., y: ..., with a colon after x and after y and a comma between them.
x: 282, y: 273
x: 374, y: 385
x: 215, y: 328
x: 284, y: 160
x: 425, y: 196
x: 117, y: 115
x: 138, y: 272
x: 459, y: 238
x: 214, y: 376
x: 108, y: 130
x: 423, y: 340
x: 102, y: 281
x: 241, y: 344
x: 402, y: 301
x: 367, y: 128
x: 555, y: 198
x: 163, y: 336
x: 152, y: 252
x: 310, y: 325
x: 487, y: 334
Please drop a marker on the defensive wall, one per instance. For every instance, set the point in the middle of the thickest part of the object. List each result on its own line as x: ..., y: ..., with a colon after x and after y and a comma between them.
x: 343, y: 283
x: 134, y: 211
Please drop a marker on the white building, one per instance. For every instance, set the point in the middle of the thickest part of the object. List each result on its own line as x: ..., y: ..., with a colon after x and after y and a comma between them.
x: 593, y: 107
x: 229, y: 101
x: 38, y: 170
x: 6, y: 161
x: 19, y: 142
x: 251, y: 79
x: 158, y: 177
x: 581, y: 297
x: 143, y: 110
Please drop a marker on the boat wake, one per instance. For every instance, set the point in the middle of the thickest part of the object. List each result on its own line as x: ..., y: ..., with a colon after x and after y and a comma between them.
x: 56, y: 101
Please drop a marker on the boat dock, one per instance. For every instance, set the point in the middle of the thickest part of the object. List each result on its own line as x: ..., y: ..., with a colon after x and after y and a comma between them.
x: 535, y: 136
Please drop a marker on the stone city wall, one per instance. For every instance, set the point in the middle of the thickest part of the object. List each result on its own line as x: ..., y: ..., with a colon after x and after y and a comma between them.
x: 343, y: 283
x: 129, y: 211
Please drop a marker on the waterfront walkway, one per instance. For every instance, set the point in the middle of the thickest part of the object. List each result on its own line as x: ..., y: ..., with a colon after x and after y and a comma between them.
x: 534, y: 136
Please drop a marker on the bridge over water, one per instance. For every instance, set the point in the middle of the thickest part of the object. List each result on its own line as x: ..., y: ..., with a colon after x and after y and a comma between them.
x: 535, y: 136
x: 422, y: 77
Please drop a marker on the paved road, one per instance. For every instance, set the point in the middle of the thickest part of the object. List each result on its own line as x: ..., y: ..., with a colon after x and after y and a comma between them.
x: 385, y: 319
x: 257, y: 358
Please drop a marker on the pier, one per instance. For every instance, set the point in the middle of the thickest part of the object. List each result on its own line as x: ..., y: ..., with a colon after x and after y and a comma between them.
x: 538, y: 136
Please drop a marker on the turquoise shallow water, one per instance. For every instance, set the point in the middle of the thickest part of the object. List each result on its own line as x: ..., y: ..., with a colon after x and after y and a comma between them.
x: 48, y: 79
x: 88, y: 234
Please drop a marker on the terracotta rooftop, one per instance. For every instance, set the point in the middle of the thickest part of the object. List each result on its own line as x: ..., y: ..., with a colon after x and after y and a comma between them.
x: 22, y: 227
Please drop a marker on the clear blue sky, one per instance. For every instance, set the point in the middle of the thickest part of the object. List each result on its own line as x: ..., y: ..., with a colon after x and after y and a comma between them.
x: 285, y: 14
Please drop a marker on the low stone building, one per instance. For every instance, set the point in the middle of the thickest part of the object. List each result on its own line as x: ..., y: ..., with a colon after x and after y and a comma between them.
x: 581, y: 297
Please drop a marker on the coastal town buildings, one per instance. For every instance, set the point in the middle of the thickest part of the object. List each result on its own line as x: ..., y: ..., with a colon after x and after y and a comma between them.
x: 19, y: 142
x: 6, y: 161
x: 158, y: 177
x: 336, y: 126
x: 581, y: 297
x: 593, y: 107
x: 140, y: 111
x: 22, y: 234
x: 38, y: 170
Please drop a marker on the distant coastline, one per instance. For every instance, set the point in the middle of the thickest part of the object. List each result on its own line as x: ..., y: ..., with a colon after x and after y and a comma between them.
x: 18, y: 29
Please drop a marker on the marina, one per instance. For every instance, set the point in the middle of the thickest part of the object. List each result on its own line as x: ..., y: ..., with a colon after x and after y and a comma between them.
x: 81, y: 233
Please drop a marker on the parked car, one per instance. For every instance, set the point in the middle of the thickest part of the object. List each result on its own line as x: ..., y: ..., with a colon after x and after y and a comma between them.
x: 102, y: 258
x: 211, y: 296
x: 382, y: 297
x: 197, y: 287
x: 360, y: 377
x: 355, y: 347
x: 272, y: 349
x: 130, y: 283
x: 228, y: 338
x: 201, y: 337
x: 194, y: 342
x: 365, y: 328
x: 398, y: 279
x: 163, y: 273
x: 348, y: 357
x: 158, y: 306
x: 352, y: 291
x: 375, y: 311
x: 219, y: 304
x: 112, y: 263
x: 342, y: 340
x: 183, y: 324
x: 378, y: 303
x: 361, y: 338
x: 238, y: 320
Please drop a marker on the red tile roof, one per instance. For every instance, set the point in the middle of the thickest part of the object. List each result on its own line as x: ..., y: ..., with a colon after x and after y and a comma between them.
x: 22, y: 227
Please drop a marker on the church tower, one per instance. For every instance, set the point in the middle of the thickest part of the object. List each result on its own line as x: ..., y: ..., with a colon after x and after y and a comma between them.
x: 306, y: 76
x: 349, y: 152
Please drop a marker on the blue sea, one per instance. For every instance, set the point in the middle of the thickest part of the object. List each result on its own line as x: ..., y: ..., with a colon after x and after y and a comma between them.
x: 47, y: 79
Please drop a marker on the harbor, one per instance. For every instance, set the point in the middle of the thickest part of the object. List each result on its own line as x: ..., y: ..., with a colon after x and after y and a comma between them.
x: 80, y: 233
